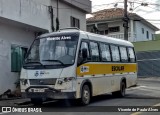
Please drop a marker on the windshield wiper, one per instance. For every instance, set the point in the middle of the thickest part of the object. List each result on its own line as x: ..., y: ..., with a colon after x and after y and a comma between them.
x: 54, y: 61
x: 34, y: 62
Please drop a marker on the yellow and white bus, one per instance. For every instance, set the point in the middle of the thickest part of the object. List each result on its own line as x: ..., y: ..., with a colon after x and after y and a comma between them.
x: 73, y: 64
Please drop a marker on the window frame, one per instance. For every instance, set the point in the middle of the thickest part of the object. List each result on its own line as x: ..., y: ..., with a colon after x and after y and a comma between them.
x: 147, y: 34
x: 73, y: 22
x: 114, y: 28
x: 142, y: 30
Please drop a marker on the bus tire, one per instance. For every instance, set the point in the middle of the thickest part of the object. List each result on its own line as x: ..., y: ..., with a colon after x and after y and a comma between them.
x: 85, y: 95
x: 37, y: 101
x: 121, y: 92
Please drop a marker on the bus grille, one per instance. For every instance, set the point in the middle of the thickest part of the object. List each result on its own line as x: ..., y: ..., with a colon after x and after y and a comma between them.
x: 51, y: 81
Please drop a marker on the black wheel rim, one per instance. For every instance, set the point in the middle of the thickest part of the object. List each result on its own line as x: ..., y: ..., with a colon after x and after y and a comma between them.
x: 86, y: 95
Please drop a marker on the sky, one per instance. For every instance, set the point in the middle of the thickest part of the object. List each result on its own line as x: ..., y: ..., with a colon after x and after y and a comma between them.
x: 151, y: 12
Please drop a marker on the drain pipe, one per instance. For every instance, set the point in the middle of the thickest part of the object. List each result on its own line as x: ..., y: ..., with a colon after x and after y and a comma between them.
x: 51, y: 17
x: 57, y: 19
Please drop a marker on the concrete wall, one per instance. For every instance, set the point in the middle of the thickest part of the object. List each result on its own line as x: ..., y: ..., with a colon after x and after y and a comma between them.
x: 65, y: 11
x: 148, y: 63
x: 43, y: 2
x: 139, y: 35
x: 10, y: 35
x: 26, y: 11
x: 35, y: 12
x: 85, y: 5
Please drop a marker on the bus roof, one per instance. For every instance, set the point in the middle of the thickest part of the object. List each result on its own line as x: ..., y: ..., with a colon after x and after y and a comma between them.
x: 57, y: 33
x: 103, y: 38
x: 91, y: 36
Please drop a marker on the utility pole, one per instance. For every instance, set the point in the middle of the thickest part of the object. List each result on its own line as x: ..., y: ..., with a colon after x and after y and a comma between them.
x: 125, y: 19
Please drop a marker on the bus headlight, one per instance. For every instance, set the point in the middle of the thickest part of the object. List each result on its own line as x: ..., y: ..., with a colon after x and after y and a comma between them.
x: 60, y: 81
x: 66, y: 79
x: 24, y: 81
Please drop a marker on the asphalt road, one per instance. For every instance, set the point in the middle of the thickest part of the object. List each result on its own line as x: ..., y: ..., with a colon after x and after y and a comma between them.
x: 147, y: 93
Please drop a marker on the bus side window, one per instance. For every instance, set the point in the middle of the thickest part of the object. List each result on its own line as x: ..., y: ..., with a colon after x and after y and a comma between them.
x: 131, y: 55
x: 105, y: 52
x: 123, y: 52
x: 94, y: 52
x: 115, y: 53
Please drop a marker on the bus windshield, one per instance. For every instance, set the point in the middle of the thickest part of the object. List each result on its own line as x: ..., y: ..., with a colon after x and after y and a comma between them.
x: 59, y: 50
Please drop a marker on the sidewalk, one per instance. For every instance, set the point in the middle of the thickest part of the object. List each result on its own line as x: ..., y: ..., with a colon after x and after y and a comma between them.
x: 149, y: 78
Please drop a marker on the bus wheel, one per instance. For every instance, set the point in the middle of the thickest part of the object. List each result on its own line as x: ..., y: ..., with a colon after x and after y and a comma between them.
x: 121, y: 92
x: 36, y: 101
x: 86, y: 95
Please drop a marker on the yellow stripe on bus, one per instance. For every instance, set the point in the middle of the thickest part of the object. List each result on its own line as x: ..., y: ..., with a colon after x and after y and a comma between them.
x: 93, y: 69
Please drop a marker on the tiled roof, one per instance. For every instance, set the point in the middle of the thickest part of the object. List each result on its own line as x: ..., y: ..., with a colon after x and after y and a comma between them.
x: 116, y: 13
x: 107, y: 14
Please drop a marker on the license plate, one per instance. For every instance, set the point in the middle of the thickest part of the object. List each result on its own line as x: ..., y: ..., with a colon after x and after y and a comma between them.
x: 38, y: 90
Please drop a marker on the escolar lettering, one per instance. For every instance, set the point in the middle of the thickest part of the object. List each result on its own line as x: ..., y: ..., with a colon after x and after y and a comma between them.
x: 117, y: 68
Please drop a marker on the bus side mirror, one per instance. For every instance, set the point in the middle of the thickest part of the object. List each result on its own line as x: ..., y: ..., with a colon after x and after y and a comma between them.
x: 84, y: 54
x: 83, y: 57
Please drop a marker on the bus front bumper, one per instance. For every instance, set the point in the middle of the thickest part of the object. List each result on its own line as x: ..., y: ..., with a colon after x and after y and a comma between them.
x: 47, y: 93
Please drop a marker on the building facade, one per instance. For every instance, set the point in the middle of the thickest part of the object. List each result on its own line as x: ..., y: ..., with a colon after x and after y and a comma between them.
x: 110, y: 22
x: 22, y: 20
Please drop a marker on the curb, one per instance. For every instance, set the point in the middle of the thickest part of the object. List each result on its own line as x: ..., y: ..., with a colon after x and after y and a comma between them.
x: 157, y: 79
x: 15, y: 98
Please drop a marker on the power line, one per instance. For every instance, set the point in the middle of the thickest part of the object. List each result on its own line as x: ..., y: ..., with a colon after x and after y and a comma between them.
x: 106, y: 4
x: 146, y: 13
x: 154, y: 8
x: 152, y: 20
x: 142, y: 2
x: 155, y: 22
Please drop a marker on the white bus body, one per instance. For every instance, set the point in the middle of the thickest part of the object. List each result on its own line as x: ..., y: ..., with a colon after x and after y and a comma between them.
x: 73, y: 64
